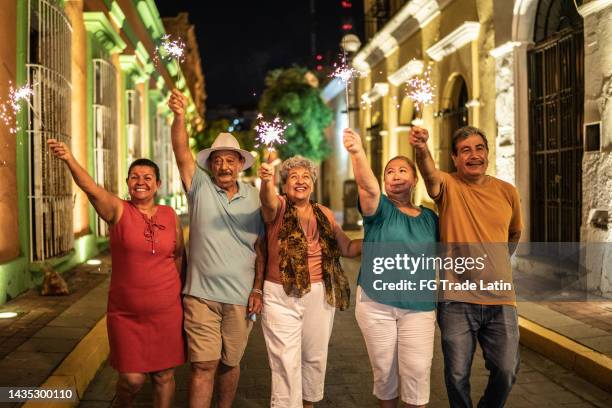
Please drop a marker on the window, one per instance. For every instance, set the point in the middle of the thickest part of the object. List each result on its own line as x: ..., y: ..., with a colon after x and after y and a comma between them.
x: 50, y: 184
x: 105, y: 131
x: 133, y: 126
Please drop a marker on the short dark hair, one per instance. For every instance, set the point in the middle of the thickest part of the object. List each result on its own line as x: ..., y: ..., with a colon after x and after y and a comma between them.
x: 147, y: 163
x: 408, y: 161
x: 465, y: 132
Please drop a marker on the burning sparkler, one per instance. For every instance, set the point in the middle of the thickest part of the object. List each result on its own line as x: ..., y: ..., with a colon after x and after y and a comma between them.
x: 10, y: 108
x: 270, y: 133
x: 420, y: 91
x: 17, y: 95
x: 345, y: 73
x: 170, y: 50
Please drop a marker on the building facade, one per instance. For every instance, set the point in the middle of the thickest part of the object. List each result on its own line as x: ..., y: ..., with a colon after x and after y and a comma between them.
x: 99, y: 87
x: 533, y: 74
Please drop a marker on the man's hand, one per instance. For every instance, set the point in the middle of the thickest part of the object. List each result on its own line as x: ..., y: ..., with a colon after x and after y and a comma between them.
x: 418, y: 137
x: 255, y: 302
x: 352, y: 141
x: 266, y: 172
x: 177, y: 103
x: 59, y: 149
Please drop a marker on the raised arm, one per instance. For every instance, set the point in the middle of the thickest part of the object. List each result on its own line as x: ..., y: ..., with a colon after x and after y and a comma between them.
x: 369, y: 190
x: 431, y: 175
x: 180, y: 140
x: 108, y: 206
x: 267, y: 194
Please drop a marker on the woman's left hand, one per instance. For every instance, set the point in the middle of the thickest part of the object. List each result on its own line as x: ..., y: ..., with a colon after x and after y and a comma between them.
x: 255, y: 303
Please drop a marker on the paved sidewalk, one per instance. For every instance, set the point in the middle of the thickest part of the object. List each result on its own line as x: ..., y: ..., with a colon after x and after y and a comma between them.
x: 541, y: 383
x: 49, y: 327
x: 42, y: 340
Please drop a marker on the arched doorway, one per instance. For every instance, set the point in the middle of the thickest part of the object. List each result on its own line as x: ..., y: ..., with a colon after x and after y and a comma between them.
x: 454, y: 115
x: 556, y: 101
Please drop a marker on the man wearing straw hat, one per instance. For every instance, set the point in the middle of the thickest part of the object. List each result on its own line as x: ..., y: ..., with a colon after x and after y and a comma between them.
x: 222, y: 287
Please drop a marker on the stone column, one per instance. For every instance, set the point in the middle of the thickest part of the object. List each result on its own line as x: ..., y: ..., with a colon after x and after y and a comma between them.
x: 504, y: 117
x: 521, y: 134
x: 597, y: 165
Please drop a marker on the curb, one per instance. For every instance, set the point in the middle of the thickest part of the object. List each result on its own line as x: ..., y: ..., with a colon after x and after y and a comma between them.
x: 584, y: 361
x: 79, y: 368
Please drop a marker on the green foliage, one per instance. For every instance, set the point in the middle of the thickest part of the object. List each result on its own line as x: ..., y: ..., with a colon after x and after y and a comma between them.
x: 295, y: 100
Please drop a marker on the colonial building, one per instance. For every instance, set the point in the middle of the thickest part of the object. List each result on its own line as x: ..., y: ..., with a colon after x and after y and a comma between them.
x: 98, y: 86
x: 533, y: 74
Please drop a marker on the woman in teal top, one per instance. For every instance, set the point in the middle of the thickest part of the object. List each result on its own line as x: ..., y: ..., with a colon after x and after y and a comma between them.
x: 397, y: 320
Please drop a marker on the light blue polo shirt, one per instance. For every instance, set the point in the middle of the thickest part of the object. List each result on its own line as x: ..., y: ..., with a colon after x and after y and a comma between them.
x: 222, y: 235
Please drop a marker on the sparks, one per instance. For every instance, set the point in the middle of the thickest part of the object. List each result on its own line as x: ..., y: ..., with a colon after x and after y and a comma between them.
x: 420, y: 90
x: 19, y: 94
x: 172, y: 49
x: 344, y: 73
x: 10, y: 108
x: 270, y: 133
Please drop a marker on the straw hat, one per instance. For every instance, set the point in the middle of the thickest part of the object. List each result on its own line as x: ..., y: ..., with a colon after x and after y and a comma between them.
x: 225, y: 141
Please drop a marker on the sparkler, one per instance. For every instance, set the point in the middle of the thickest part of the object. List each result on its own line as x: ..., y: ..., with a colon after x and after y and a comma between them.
x: 19, y: 94
x: 10, y: 108
x: 345, y: 73
x: 270, y: 133
x: 170, y: 50
x: 420, y: 91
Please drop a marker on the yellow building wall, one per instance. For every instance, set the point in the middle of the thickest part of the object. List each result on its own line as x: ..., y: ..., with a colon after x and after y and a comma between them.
x: 472, y: 62
x: 74, y: 10
x: 9, y: 211
x: 121, y: 129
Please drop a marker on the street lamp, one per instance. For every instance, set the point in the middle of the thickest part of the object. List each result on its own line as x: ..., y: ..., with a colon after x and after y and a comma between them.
x: 350, y: 43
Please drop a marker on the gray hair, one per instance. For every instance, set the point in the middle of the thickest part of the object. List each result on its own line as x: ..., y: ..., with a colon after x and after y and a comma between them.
x: 464, y: 133
x: 298, y: 162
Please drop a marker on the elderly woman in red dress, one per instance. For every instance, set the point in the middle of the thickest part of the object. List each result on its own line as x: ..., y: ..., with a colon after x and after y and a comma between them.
x: 144, y: 303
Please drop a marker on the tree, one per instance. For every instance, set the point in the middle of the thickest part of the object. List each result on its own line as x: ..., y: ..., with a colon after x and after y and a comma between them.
x: 293, y: 95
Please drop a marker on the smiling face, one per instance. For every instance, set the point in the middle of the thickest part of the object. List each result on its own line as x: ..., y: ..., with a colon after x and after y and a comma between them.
x: 471, y: 159
x: 399, y: 178
x: 299, y: 185
x: 225, y: 165
x: 142, y: 183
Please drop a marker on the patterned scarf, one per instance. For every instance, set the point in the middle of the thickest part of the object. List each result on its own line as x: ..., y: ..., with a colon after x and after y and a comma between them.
x: 293, y: 264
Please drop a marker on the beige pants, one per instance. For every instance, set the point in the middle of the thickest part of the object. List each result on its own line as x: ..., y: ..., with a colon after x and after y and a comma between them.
x: 297, y: 332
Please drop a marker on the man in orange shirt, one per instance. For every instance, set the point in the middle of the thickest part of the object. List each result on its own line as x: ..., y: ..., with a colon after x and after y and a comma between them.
x: 481, y: 210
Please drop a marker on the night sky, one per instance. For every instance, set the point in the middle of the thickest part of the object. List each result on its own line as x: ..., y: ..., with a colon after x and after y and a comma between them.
x: 241, y: 40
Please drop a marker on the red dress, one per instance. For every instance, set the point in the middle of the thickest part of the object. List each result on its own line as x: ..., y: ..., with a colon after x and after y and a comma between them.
x: 145, y: 314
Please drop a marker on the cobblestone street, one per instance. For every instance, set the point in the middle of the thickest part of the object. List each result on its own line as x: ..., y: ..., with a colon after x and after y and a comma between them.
x: 349, y: 379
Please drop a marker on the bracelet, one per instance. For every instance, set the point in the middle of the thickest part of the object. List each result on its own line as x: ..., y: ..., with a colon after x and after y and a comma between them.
x: 258, y: 291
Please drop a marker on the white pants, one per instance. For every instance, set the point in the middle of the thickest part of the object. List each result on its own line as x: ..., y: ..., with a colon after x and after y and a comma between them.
x: 400, y: 345
x: 297, y: 332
